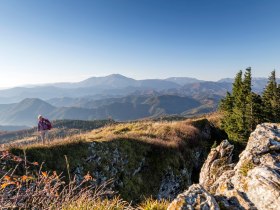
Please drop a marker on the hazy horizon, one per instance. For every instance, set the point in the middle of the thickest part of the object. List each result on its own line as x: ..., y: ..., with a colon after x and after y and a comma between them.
x: 74, y: 81
x: 69, y: 40
x: 49, y: 83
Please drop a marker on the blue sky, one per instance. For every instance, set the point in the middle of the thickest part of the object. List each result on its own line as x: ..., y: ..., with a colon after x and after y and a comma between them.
x: 66, y: 40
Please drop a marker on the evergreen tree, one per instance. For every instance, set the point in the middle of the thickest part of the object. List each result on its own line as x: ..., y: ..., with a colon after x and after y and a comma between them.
x: 232, y: 109
x: 237, y: 84
x: 243, y: 110
x: 270, y: 99
x: 257, y: 110
x: 247, y: 107
x: 278, y: 104
x: 226, y: 107
x: 226, y: 103
x: 239, y: 108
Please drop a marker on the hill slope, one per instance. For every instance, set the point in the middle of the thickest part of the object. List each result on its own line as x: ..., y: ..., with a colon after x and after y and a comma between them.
x: 144, y: 158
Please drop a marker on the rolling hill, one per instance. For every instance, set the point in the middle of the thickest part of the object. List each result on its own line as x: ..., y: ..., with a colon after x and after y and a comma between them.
x: 121, y: 109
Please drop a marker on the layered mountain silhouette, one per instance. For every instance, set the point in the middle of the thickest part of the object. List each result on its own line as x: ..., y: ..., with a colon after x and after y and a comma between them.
x: 119, y: 85
x: 114, y: 84
x: 126, y: 108
x: 114, y: 96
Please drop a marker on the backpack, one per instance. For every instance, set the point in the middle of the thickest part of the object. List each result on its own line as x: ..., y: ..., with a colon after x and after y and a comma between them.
x: 48, y: 124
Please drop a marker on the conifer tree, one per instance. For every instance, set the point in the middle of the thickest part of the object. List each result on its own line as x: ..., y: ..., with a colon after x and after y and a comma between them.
x: 231, y: 107
x: 239, y: 108
x: 243, y: 109
x: 227, y: 103
x: 248, y: 102
x: 270, y: 100
x: 278, y: 104
x: 257, y: 110
x: 226, y: 106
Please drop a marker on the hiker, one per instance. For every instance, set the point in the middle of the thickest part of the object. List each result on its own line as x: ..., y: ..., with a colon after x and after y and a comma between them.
x: 44, y: 125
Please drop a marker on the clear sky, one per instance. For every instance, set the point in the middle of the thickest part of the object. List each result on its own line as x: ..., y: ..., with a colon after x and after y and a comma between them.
x: 44, y: 41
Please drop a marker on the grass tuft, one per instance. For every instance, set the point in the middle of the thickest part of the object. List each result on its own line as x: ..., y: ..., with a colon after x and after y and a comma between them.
x: 152, y: 204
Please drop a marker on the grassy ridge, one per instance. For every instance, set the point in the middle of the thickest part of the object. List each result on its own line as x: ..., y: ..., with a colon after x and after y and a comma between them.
x: 61, y: 129
x: 136, y: 155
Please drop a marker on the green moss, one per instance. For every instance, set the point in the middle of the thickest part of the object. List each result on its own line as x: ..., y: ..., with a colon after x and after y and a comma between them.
x: 246, y: 166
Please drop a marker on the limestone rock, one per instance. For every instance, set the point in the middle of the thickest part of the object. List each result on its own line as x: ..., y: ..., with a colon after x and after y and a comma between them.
x: 222, y: 182
x: 263, y: 187
x: 196, y: 197
x: 171, y: 184
x: 218, y: 161
x: 253, y: 183
x: 256, y: 179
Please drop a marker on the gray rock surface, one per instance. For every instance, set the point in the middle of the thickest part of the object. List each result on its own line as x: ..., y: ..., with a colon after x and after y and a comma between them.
x: 253, y: 183
x: 257, y: 174
x: 219, y: 160
x: 170, y: 184
x: 196, y: 197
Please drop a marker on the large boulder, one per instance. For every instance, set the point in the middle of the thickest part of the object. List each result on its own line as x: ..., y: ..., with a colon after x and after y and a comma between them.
x: 196, y: 197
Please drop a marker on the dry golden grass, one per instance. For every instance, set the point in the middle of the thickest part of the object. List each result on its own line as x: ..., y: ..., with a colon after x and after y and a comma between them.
x: 35, y: 142
x: 152, y: 204
x: 215, y: 118
x: 167, y: 134
x: 84, y: 203
x: 163, y: 133
x: 170, y: 134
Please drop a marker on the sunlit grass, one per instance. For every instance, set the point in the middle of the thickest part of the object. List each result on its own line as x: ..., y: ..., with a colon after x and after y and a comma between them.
x: 164, y: 133
x: 163, y: 143
x: 152, y: 204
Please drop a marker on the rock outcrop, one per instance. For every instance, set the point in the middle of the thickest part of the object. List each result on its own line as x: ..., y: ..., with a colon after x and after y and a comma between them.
x: 170, y: 183
x: 253, y: 183
x: 196, y: 197
x: 219, y: 160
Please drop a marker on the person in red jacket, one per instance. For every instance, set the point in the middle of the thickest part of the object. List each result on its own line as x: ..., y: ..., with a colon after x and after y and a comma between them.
x: 44, y: 125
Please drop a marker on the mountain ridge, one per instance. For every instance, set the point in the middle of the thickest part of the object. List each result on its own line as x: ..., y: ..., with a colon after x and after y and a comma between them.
x: 121, y: 109
x: 118, y: 85
x: 115, y: 96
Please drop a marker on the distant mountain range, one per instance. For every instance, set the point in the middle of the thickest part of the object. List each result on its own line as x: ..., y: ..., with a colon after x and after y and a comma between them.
x: 118, y: 85
x: 12, y: 128
x: 114, y: 96
x: 126, y: 108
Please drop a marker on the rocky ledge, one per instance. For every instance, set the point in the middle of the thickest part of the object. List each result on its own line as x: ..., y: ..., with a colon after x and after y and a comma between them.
x: 252, y: 183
